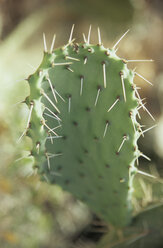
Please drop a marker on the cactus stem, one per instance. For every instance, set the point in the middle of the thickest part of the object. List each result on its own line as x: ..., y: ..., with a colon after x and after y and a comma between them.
x: 123, y: 85
x: 28, y: 122
x: 71, y: 34
x: 53, y: 43
x: 89, y: 34
x: 106, y: 127
x: 81, y: 84
x: 104, y: 73
x: 46, y: 96
x: 44, y: 42
x: 99, y: 37
x: 54, y: 95
x: 52, y: 114
x: 98, y: 92
x: 113, y: 105
x: 120, y: 39
x: 84, y: 38
x: 146, y: 80
x: 122, y: 143
x: 144, y: 131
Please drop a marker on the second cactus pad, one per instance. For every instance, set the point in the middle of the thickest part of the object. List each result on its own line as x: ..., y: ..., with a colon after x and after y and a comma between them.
x: 84, y: 129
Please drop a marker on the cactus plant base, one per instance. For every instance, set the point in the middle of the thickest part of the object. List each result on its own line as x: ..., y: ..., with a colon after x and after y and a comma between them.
x: 144, y: 231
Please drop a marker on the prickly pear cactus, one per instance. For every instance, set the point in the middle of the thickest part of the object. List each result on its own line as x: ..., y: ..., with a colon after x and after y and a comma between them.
x: 82, y: 121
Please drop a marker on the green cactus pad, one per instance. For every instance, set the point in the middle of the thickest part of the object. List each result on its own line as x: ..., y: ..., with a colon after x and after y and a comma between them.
x: 83, y: 126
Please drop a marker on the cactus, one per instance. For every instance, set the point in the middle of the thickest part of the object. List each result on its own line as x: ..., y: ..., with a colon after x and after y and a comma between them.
x: 82, y: 121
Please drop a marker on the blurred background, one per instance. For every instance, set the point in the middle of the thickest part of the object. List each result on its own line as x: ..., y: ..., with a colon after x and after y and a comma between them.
x: 34, y: 214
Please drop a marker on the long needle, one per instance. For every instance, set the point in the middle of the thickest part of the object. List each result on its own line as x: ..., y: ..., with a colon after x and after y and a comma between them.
x: 71, y: 33
x: 99, y: 36
x: 113, y: 104
x: 52, y: 45
x: 120, y: 39
x: 143, y: 78
x: 28, y: 121
x: 89, y: 34
x: 49, y: 81
x: 46, y: 96
x: 44, y: 41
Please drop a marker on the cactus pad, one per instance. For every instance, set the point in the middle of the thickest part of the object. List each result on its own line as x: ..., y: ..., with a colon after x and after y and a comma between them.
x: 83, y: 126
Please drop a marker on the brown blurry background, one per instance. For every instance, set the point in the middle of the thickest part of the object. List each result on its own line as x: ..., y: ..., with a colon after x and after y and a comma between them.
x: 33, y: 214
